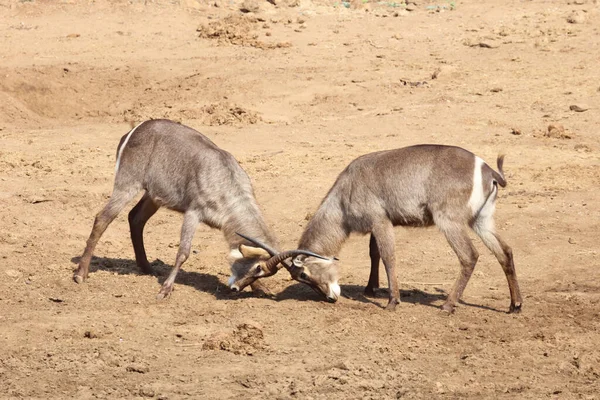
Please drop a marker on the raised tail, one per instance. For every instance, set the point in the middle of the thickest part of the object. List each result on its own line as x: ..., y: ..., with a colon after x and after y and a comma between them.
x: 499, y: 176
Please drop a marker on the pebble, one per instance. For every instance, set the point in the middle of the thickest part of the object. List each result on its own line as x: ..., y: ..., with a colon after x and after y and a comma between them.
x: 577, y: 108
x: 13, y: 273
x: 576, y: 18
x: 516, y: 131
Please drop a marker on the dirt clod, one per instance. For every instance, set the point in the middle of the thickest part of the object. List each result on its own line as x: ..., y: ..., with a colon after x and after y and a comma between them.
x: 246, y: 338
x: 557, y: 131
x: 250, y: 6
x: 516, y: 132
x: 90, y: 334
x: 147, y: 392
x: 237, y: 30
x: 228, y: 114
x: 139, y: 368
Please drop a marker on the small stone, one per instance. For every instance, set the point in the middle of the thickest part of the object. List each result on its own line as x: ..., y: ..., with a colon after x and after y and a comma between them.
x: 147, y: 392
x: 496, y: 90
x: 440, y: 388
x: 572, y: 241
x: 334, y: 373
x: 485, y: 45
x: 577, y: 17
x: 374, y: 384
x: 55, y: 299
x: 516, y: 132
x: 249, y: 6
x: 13, y: 273
x: 557, y: 131
x: 577, y: 108
x: 90, y: 335
x: 139, y: 368
x: 343, y: 365
x: 583, y: 148
x: 567, y: 367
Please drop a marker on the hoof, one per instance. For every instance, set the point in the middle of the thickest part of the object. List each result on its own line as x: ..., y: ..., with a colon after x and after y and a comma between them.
x: 146, y: 269
x: 78, y: 278
x: 391, y: 306
x: 164, y: 293
x: 448, y: 308
x: 515, y: 308
x: 162, y: 296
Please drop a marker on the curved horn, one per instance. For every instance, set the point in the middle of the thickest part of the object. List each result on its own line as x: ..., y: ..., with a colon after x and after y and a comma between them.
x: 272, y: 252
x: 273, y: 261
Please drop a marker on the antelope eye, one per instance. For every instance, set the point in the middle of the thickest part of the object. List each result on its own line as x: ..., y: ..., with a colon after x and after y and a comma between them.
x: 258, y: 268
x: 303, y: 276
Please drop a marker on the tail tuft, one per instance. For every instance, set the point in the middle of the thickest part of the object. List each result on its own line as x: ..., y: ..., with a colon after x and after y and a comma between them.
x: 499, y: 176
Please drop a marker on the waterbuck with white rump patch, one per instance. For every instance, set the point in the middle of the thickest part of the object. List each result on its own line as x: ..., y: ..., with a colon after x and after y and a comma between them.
x: 415, y: 186
x: 181, y: 169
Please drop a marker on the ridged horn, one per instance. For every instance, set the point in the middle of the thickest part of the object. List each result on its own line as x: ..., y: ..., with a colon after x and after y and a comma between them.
x: 272, y: 252
x: 279, y: 258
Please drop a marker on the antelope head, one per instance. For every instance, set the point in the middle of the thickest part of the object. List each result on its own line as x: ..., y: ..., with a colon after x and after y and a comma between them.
x: 319, y: 272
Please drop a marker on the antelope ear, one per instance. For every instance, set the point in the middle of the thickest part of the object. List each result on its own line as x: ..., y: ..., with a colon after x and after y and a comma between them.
x: 251, y: 252
x: 298, y: 261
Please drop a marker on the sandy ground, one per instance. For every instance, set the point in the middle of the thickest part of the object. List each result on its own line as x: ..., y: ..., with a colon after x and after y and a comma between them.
x: 295, y: 91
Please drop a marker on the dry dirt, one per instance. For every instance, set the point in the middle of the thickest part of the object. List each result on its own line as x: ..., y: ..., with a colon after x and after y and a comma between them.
x: 295, y: 91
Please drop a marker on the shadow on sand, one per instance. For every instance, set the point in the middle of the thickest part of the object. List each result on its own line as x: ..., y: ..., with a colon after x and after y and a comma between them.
x: 297, y: 291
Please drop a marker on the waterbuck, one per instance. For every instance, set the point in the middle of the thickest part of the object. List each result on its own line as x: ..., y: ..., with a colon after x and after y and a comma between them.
x: 415, y: 186
x: 181, y: 169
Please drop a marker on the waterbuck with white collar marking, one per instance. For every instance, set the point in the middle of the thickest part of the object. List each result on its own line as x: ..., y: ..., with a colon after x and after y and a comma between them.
x: 416, y: 186
x: 181, y: 169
